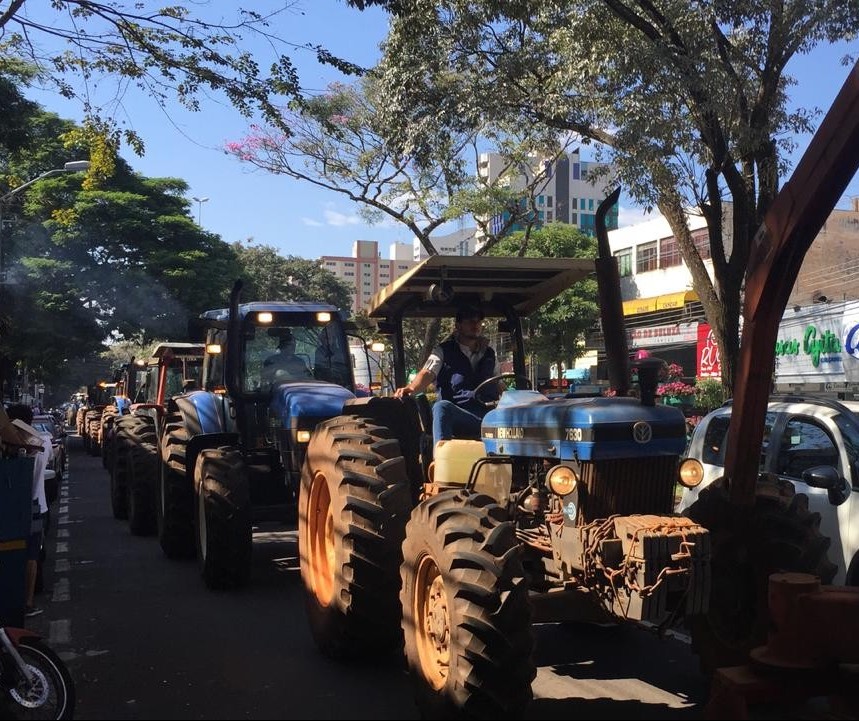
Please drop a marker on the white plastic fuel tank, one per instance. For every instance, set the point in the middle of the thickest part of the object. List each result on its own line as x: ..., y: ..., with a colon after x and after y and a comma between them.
x: 454, y: 459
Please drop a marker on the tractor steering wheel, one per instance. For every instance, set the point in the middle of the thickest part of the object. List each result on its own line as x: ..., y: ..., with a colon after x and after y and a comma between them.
x: 494, y: 380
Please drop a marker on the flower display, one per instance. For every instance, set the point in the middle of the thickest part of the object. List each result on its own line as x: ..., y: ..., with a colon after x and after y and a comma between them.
x: 675, y: 388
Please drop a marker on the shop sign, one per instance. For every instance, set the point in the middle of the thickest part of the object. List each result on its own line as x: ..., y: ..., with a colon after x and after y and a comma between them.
x: 709, y: 362
x: 656, y: 335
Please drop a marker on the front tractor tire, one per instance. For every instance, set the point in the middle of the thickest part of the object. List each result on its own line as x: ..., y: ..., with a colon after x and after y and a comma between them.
x: 777, y: 534
x: 466, y: 613
x: 223, y: 518
x: 353, y: 507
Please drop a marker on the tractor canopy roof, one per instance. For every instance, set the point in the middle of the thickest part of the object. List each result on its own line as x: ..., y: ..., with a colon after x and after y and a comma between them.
x: 245, y: 309
x: 442, y: 284
x: 176, y: 350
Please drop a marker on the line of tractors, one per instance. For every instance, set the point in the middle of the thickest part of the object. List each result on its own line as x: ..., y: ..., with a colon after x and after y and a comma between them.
x: 563, y: 509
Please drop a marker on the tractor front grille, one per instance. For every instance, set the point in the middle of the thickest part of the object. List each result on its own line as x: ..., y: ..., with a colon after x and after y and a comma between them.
x: 628, y: 486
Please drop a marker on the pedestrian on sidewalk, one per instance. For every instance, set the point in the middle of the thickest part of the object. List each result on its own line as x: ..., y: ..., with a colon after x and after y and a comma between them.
x: 22, y: 417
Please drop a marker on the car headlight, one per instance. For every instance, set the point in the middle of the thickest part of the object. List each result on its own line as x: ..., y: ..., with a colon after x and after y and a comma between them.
x: 562, y: 479
x: 691, y: 472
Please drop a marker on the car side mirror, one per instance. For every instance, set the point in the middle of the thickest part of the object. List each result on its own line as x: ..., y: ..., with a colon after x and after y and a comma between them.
x: 828, y: 478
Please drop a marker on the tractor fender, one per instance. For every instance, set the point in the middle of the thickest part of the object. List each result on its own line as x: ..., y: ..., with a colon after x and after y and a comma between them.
x: 204, y: 412
x: 293, y: 401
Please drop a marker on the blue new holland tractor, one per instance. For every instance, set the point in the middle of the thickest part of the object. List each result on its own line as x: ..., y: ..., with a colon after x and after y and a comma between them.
x: 231, y: 451
x: 562, y: 509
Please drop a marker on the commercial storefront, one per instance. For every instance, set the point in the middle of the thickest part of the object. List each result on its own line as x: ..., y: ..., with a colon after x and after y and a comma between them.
x: 817, y: 349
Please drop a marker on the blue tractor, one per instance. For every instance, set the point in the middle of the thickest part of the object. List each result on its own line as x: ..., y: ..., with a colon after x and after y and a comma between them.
x: 562, y: 508
x: 231, y: 451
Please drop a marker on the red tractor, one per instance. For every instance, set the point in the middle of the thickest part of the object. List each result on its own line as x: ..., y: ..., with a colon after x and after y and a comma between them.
x: 171, y: 369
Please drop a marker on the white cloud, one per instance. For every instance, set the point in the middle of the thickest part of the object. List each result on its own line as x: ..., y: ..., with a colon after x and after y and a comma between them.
x: 332, y: 217
x: 631, y: 216
x: 311, y: 222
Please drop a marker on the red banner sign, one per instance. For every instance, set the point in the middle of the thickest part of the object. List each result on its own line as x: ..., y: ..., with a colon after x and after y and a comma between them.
x: 709, y: 364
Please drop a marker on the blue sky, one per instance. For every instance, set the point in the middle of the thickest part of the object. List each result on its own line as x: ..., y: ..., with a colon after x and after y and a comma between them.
x: 296, y: 217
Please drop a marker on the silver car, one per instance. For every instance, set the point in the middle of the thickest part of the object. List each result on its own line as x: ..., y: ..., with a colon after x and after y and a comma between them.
x: 812, y: 442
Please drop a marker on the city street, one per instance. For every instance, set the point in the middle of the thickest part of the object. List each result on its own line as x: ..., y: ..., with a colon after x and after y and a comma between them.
x: 144, y: 638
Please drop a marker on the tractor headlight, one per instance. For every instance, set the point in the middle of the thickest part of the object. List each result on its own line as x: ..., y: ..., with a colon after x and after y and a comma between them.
x: 562, y: 480
x: 691, y: 472
x: 302, y: 436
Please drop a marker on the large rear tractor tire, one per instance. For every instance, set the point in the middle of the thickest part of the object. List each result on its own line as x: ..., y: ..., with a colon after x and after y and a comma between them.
x: 223, y: 518
x: 466, y: 613
x: 175, y: 501
x: 777, y: 534
x: 119, y: 478
x: 353, y: 508
x: 94, y: 433
x: 142, y: 481
x: 108, y: 428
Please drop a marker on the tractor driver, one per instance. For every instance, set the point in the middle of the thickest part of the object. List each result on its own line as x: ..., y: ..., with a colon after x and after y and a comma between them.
x: 457, y: 366
x: 284, y: 364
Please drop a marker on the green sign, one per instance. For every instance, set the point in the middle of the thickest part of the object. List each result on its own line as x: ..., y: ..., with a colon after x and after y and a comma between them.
x: 814, y: 344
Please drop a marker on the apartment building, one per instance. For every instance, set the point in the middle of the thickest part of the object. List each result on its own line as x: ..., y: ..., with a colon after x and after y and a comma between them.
x: 568, y: 190
x: 366, y: 271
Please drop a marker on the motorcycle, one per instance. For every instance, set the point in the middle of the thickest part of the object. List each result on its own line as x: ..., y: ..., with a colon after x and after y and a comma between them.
x: 34, y: 681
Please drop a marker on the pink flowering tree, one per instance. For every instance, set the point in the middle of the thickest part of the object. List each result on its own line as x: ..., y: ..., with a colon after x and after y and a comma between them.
x: 340, y: 141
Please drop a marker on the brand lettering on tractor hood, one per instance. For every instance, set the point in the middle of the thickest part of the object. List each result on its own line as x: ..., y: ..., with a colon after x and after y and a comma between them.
x: 510, y: 433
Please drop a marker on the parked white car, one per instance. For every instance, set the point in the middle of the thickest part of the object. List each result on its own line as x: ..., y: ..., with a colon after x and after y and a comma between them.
x: 812, y: 442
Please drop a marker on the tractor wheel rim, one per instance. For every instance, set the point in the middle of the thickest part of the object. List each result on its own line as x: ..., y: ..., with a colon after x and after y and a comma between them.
x: 320, y: 539
x: 432, y: 623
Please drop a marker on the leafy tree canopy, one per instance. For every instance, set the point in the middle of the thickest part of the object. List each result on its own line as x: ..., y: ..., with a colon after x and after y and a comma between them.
x: 687, y: 101
x: 83, y: 266
x: 171, y: 52
x: 556, y: 332
x: 270, y: 276
x: 340, y: 141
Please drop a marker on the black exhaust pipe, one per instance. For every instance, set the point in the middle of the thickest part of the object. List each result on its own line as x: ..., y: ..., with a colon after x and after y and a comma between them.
x: 611, y: 304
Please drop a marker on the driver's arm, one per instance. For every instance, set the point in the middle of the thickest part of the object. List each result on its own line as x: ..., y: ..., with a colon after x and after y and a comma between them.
x: 425, y: 376
x: 421, y: 382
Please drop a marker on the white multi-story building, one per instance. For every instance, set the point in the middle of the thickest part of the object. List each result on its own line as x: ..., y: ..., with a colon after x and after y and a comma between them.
x: 664, y: 316
x: 461, y: 242
x: 570, y: 192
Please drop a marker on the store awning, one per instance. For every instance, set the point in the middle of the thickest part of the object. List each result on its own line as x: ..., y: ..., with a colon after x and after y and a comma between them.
x: 669, y: 301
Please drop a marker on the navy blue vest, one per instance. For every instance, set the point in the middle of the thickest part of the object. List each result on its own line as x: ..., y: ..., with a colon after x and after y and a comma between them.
x: 457, y: 380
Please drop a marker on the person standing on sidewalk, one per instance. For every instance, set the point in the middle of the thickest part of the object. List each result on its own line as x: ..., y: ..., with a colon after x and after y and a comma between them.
x: 23, y: 414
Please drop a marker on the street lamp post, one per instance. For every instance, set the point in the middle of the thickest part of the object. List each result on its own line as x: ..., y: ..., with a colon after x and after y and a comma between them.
x: 73, y: 166
x: 200, y: 202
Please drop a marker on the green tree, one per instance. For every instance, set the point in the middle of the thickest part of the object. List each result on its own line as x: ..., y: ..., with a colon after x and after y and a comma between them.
x: 688, y: 102
x: 338, y: 141
x: 556, y: 333
x: 87, y: 266
x: 270, y: 276
x: 140, y: 260
x: 171, y: 52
